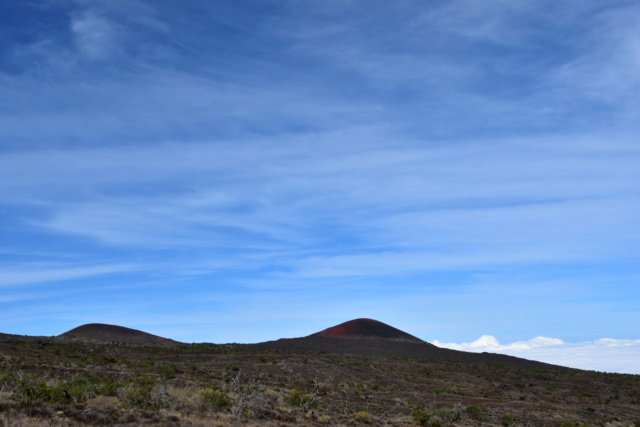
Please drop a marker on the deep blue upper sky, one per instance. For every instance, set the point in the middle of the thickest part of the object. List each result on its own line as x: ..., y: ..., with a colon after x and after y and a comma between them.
x: 250, y: 170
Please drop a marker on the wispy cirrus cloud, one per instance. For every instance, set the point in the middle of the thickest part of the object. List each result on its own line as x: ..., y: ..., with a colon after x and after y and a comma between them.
x: 354, y: 147
x: 609, y: 65
x: 94, y: 35
x: 429, y: 208
x: 32, y: 274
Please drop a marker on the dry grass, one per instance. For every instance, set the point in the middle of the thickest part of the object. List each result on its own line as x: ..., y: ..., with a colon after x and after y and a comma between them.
x: 47, y: 382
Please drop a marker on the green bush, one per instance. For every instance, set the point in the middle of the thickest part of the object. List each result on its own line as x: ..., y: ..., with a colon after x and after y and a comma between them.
x: 421, y: 417
x: 478, y: 412
x: 140, y: 394
x: 452, y: 390
x: 352, y: 384
x: 168, y: 371
x: 108, y: 388
x: 30, y: 390
x: 105, y: 360
x: 449, y: 416
x: 213, y: 399
x: 80, y: 389
x: 7, y: 381
x: 298, y: 398
x: 507, y: 419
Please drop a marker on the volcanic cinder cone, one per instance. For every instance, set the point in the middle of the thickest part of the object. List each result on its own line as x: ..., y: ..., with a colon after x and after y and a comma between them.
x: 366, y: 328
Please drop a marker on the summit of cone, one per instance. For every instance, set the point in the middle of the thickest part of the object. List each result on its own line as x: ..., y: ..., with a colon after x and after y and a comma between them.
x: 366, y: 328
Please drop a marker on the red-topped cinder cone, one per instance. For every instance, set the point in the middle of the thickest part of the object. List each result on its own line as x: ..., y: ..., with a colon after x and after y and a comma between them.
x: 366, y: 328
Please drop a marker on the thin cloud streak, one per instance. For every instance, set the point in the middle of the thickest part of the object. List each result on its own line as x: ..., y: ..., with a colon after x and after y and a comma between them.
x: 422, y: 208
x: 39, y: 274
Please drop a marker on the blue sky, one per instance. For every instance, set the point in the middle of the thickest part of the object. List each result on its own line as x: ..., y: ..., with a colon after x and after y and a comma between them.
x: 241, y: 171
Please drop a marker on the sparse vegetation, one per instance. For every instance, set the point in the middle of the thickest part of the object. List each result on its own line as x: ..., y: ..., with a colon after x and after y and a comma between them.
x: 48, y: 381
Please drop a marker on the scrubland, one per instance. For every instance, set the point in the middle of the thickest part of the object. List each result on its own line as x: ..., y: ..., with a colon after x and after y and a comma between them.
x: 48, y: 381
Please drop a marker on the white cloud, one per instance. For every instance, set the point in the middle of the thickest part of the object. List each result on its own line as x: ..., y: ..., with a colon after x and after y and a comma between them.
x: 94, y: 35
x: 420, y: 208
x: 489, y: 342
x: 604, y: 354
x: 30, y: 274
x: 608, y: 65
x: 398, y: 262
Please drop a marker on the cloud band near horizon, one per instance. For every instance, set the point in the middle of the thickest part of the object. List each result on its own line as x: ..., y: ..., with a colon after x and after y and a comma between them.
x: 604, y: 354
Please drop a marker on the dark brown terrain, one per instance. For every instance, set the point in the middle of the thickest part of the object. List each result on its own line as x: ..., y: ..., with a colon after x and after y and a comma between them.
x: 365, y: 328
x: 367, y: 336
x: 98, y: 378
x: 101, y: 332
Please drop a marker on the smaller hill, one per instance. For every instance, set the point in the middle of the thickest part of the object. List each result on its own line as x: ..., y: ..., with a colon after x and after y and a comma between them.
x: 119, y: 334
x: 365, y: 328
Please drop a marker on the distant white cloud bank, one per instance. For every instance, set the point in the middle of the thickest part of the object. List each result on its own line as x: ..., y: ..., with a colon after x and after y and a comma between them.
x: 604, y: 354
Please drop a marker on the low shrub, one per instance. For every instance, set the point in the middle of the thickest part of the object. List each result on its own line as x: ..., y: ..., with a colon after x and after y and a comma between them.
x: 421, y: 417
x: 141, y: 394
x: 212, y: 400
x: 298, y: 398
x: 452, y: 390
x: 362, y: 417
x: 478, y: 412
x: 450, y: 415
x: 30, y: 390
x: 507, y: 419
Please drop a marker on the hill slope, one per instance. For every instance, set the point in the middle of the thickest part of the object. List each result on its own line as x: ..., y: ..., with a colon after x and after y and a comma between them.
x: 365, y: 328
x: 386, y: 347
x: 368, y: 336
x: 359, y: 336
x: 111, y: 333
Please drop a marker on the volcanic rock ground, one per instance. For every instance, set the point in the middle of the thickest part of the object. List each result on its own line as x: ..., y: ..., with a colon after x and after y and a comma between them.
x: 364, y: 372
